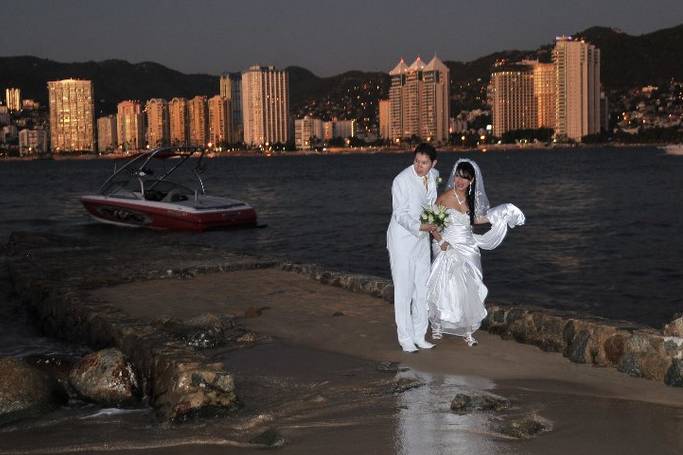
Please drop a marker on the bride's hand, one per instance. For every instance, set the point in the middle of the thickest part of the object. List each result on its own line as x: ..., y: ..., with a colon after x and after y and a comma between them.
x: 444, y: 246
x: 437, y: 235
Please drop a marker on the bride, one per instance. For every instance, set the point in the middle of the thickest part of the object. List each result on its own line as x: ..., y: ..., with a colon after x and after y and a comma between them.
x: 455, y: 290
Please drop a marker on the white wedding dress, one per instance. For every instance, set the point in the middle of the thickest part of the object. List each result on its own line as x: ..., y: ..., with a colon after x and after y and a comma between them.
x: 455, y: 290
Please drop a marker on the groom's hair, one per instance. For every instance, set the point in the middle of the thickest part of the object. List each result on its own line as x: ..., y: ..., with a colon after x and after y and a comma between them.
x: 426, y: 149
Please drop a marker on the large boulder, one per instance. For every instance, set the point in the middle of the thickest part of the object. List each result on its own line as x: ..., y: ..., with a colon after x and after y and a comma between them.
x: 192, y: 389
x: 674, y: 328
x: 26, y: 391
x: 645, y: 355
x: 105, y: 377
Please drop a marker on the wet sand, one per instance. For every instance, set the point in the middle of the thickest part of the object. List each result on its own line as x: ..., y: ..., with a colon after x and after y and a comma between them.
x: 318, y: 385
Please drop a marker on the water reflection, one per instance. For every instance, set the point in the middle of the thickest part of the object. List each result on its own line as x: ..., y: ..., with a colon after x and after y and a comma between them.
x: 425, y: 423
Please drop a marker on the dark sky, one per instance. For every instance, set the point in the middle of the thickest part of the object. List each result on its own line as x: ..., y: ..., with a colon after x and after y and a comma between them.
x: 327, y: 37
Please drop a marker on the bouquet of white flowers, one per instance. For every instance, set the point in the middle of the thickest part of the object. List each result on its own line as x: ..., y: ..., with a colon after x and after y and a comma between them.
x: 436, y: 215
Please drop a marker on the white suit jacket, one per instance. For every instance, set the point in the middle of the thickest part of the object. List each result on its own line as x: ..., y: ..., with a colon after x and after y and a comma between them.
x: 409, y: 197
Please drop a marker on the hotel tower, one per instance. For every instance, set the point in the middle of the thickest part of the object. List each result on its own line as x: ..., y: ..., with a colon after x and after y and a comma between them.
x: 72, y: 115
x: 265, y: 105
x: 419, y: 103
x: 577, y: 85
x: 512, y: 92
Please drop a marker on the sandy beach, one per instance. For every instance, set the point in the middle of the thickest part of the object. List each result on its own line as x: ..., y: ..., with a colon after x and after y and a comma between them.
x: 320, y: 370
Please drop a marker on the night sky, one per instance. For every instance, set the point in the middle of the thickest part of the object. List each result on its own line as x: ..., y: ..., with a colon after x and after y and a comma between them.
x: 327, y: 37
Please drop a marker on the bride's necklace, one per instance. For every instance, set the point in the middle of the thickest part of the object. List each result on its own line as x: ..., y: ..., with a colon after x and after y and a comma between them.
x: 457, y: 198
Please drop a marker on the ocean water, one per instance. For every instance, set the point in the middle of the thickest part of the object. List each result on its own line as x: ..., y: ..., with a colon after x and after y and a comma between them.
x: 602, y: 234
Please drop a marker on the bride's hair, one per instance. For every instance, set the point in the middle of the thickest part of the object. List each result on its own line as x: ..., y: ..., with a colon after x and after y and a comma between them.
x: 467, y: 170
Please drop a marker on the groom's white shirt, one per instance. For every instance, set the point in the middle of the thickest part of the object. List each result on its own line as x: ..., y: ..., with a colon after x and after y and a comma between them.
x: 409, y: 197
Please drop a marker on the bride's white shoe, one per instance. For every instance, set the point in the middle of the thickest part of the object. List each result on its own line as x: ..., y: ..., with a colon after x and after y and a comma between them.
x: 469, y: 339
x: 436, y: 333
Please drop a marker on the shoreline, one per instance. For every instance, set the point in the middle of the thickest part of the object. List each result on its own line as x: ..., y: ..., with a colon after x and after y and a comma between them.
x: 345, y: 151
x: 317, y: 375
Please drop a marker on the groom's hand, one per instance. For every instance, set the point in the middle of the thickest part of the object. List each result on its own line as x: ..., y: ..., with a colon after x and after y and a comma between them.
x: 428, y: 227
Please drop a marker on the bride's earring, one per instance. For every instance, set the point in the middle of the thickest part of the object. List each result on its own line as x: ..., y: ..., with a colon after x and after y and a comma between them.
x: 470, y: 191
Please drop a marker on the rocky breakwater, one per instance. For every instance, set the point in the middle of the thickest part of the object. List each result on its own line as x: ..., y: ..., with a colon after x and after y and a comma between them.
x: 52, y: 275
x: 631, y: 349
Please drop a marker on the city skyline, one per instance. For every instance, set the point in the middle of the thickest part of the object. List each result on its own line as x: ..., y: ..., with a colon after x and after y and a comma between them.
x: 327, y: 38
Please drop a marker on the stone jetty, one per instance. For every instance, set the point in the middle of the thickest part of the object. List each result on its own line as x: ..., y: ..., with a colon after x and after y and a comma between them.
x: 56, y: 276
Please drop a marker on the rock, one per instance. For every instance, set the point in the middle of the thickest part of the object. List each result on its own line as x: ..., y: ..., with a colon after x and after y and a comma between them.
x: 54, y: 365
x: 578, y: 349
x: 674, y: 375
x: 26, y: 391
x: 200, y: 333
x: 105, y: 377
x: 404, y: 384
x: 614, y: 348
x: 525, y: 427
x: 388, y: 367
x: 674, y: 328
x: 270, y: 438
x: 247, y: 338
x: 337, y: 314
x: 464, y: 403
x: 645, y: 356
x: 549, y: 332
x: 388, y: 293
x: 193, y: 390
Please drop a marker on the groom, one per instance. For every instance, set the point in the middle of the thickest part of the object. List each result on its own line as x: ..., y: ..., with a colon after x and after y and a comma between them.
x: 408, y: 245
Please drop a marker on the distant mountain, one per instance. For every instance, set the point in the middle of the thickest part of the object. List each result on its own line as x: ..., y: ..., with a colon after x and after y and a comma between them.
x: 114, y: 80
x: 627, y: 61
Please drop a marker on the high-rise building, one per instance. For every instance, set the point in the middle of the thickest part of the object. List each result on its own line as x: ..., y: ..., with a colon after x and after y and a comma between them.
x: 265, y: 105
x: 328, y: 130
x: 344, y: 128
x: 29, y: 104
x: 419, y: 102
x: 220, y: 121
x: 198, y: 118
x: 544, y: 94
x: 180, y: 125
x: 32, y: 142
x: 158, y: 125
x: 384, y: 119
x: 577, y: 70
x: 130, y: 125
x: 4, y: 115
x: 306, y: 131
x: 106, y: 134
x: 513, y: 105
x: 604, y: 112
x: 13, y: 99
x: 231, y: 88
x: 72, y: 115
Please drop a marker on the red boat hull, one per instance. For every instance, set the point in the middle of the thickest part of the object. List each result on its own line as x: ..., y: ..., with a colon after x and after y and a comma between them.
x: 121, y: 212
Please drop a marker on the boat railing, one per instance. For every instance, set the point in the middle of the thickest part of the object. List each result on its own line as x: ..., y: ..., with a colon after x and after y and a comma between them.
x: 143, y: 170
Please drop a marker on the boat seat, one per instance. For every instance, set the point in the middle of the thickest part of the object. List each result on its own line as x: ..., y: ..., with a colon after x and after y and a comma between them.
x: 154, y: 195
x: 174, y: 195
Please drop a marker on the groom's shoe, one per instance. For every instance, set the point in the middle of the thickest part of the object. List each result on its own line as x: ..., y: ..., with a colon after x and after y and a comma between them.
x: 408, y: 347
x: 424, y: 344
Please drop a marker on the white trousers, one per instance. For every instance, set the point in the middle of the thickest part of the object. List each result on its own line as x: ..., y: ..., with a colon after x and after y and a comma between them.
x: 410, y: 274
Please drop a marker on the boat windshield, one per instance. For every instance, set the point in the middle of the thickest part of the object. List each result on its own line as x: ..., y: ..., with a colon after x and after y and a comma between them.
x: 154, y: 190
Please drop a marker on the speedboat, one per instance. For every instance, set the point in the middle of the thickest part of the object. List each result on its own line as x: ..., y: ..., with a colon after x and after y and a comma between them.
x: 133, y: 196
x: 673, y: 149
